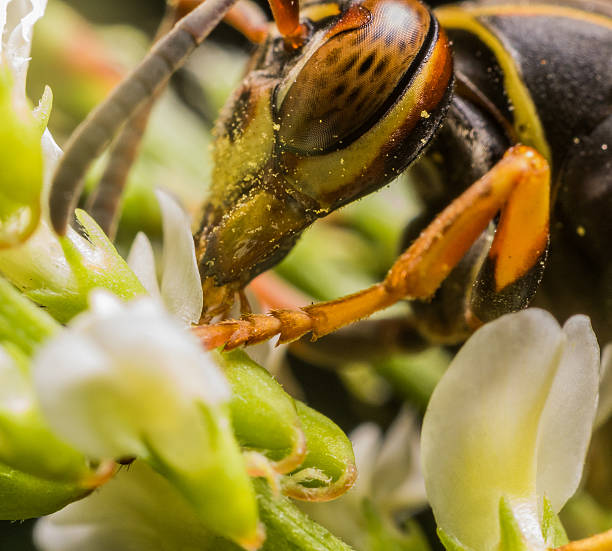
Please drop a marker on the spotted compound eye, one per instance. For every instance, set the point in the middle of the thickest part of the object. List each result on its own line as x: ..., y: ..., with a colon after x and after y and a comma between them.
x: 353, y: 77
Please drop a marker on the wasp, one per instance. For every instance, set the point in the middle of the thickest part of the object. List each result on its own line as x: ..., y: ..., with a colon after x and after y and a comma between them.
x: 506, y: 107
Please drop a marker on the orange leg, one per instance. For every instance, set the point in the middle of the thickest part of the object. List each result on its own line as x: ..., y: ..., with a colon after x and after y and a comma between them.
x: 518, y: 186
x: 598, y: 542
x: 250, y: 20
x: 246, y: 17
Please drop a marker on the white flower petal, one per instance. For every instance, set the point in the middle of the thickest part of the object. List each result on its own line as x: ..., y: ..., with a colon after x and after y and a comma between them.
x: 17, y: 19
x: 366, y: 440
x: 567, y: 420
x: 482, y: 434
x: 51, y: 156
x: 137, y: 510
x: 604, y: 411
x: 142, y: 262
x: 125, y: 376
x: 76, y: 395
x: 15, y: 392
x: 181, y: 287
x: 399, y: 483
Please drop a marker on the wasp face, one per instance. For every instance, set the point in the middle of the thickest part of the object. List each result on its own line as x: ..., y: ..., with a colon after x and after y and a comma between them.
x: 314, y: 128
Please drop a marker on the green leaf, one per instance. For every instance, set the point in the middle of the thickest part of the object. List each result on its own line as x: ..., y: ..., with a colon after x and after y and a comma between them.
x: 414, y: 376
x: 552, y: 529
x: 26, y: 441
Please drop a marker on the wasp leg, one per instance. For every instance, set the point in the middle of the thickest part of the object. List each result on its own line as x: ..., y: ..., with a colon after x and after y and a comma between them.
x: 249, y: 20
x: 518, y: 186
x: 94, y: 134
x: 246, y: 17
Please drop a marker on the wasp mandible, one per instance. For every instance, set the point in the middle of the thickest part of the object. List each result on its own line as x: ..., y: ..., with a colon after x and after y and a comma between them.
x: 509, y: 105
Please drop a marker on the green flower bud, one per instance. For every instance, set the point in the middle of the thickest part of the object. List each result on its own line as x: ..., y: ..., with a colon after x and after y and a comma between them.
x: 264, y: 416
x: 59, y: 272
x: 329, y: 467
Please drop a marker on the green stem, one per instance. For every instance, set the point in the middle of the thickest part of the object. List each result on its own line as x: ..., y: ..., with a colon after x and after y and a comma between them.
x: 287, y: 528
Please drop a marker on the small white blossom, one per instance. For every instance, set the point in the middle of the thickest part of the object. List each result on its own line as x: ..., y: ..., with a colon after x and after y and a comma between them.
x: 179, y: 286
x: 16, y: 395
x: 137, y: 510
x: 511, y: 418
x: 123, y: 378
x: 17, y: 19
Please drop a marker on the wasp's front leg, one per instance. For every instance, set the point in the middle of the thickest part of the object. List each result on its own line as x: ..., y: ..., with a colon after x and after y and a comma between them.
x: 518, y: 186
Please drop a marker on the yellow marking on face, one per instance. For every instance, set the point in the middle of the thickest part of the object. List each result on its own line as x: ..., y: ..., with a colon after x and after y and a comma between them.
x: 526, y: 121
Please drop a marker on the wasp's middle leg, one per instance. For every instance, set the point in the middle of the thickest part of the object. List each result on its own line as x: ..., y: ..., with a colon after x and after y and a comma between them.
x: 518, y: 186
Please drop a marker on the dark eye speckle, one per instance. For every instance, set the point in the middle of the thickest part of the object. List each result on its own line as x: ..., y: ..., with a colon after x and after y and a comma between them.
x: 366, y: 64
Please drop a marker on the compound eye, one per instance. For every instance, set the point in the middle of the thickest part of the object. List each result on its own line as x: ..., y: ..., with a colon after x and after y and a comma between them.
x: 352, y: 79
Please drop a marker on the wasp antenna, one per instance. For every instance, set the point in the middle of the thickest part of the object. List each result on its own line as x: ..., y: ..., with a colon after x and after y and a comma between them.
x: 94, y: 134
x: 103, y: 203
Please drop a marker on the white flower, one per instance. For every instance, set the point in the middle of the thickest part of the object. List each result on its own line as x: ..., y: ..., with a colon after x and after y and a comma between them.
x: 511, y: 419
x: 17, y: 19
x: 179, y: 286
x: 137, y: 510
x: 124, y: 377
x: 127, y: 380
x: 15, y: 392
x: 389, y: 476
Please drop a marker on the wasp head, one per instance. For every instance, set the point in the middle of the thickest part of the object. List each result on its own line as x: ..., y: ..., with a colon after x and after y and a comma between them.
x: 312, y: 128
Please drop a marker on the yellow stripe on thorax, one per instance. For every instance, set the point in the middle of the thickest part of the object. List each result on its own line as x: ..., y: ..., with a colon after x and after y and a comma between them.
x: 541, y: 9
x: 526, y: 121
